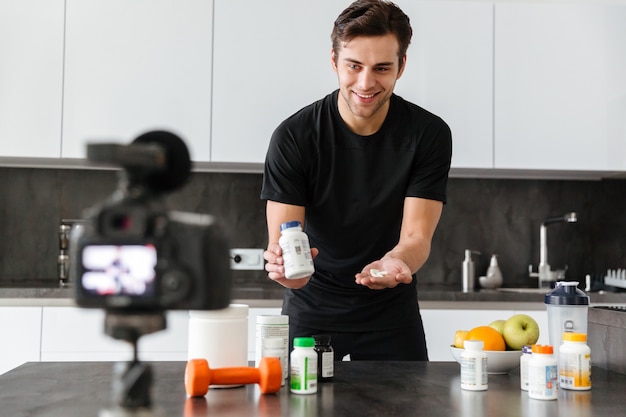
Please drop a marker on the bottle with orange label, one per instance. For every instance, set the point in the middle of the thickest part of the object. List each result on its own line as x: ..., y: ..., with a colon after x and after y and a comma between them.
x: 543, y: 374
x: 575, y: 362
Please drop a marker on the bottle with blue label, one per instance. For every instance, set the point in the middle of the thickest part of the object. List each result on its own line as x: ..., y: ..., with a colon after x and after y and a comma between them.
x: 543, y: 374
x: 296, y: 250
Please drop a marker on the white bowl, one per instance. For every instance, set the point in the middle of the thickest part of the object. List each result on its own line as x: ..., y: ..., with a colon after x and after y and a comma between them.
x: 498, y: 362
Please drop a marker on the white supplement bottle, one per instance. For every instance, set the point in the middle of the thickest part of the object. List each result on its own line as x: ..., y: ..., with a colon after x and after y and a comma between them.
x: 273, y: 347
x: 474, y: 366
x: 303, y: 364
x: 543, y: 374
x: 523, y: 366
x: 575, y: 362
x: 272, y: 326
x: 296, y: 251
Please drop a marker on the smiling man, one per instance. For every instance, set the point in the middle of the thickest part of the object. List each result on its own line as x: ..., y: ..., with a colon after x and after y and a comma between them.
x: 365, y: 172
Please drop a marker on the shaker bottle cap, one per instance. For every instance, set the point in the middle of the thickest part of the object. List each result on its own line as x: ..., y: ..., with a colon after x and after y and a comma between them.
x: 566, y: 293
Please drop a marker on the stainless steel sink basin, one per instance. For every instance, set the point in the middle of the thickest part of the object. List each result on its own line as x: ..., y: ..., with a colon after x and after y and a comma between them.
x: 526, y: 290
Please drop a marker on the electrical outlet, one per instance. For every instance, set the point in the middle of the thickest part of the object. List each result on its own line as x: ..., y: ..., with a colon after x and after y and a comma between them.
x: 247, y: 259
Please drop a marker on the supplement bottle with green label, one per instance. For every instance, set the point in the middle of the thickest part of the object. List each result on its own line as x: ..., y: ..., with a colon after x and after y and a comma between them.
x: 303, y: 366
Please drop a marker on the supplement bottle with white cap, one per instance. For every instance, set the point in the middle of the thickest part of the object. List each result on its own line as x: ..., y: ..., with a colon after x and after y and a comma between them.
x: 296, y: 250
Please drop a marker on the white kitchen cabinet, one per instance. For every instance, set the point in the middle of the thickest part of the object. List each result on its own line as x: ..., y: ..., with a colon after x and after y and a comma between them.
x: 136, y: 66
x: 560, y: 85
x: 31, y: 77
x: 450, y: 73
x: 21, y: 336
x: 441, y: 325
x: 76, y: 334
x: 270, y: 59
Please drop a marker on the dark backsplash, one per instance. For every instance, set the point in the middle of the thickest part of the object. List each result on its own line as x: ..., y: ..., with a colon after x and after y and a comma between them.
x: 491, y: 216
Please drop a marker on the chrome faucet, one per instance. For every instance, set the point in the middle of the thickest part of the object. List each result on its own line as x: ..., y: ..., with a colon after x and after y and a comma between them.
x: 545, y: 275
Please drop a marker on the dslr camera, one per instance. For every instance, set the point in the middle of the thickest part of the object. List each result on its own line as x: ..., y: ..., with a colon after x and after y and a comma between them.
x: 133, y: 255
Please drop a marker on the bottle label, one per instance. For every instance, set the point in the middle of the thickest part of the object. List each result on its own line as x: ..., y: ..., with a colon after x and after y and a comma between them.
x: 575, y: 370
x: 303, y: 375
x: 328, y: 366
x: 473, y: 372
x: 543, y: 381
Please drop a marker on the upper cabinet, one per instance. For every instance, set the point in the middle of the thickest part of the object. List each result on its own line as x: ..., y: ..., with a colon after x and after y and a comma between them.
x: 134, y: 66
x: 271, y: 58
x: 450, y: 73
x: 560, y: 86
x: 31, y: 77
x: 281, y: 63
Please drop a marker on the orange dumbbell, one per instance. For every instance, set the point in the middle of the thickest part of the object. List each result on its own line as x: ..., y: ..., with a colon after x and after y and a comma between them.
x: 198, y: 376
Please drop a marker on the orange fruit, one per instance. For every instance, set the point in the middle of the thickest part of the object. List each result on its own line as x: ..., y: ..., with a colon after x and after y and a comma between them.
x: 492, y: 339
x: 459, y: 338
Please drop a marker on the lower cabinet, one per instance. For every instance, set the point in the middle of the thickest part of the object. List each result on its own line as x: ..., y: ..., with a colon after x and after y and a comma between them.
x: 76, y: 334
x: 21, y: 336
x: 441, y: 325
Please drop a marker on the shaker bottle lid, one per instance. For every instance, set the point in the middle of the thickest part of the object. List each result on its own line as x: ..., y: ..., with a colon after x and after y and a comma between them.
x: 566, y: 293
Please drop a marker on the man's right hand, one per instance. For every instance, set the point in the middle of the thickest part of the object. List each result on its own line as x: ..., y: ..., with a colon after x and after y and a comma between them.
x: 276, y: 269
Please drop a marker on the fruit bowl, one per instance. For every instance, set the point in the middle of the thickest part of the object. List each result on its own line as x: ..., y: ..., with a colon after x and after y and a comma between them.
x: 498, y: 362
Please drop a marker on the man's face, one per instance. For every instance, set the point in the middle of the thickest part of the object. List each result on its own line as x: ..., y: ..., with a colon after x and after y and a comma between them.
x: 367, y: 69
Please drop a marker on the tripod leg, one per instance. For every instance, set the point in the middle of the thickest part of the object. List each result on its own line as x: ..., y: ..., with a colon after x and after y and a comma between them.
x: 131, y: 385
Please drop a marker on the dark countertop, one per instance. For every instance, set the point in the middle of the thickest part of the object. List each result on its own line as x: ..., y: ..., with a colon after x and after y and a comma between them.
x: 359, y: 389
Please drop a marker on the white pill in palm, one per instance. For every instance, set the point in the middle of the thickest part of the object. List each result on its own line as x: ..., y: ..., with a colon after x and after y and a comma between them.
x: 377, y: 273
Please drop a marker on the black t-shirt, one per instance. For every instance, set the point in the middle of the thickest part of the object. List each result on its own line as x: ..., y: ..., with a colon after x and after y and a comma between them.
x: 353, y: 189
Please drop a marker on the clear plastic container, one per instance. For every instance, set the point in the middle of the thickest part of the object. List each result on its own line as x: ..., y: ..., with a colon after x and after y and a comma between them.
x: 567, y: 312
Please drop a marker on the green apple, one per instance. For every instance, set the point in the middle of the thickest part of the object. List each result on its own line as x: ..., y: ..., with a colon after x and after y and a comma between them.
x: 498, y: 325
x: 520, y: 330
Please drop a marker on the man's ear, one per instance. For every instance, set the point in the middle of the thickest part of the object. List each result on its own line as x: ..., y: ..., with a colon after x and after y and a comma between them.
x: 333, y: 59
x: 402, y: 67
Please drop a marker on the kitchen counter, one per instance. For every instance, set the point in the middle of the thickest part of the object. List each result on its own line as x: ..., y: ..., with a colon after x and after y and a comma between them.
x: 438, y: 297
x: 359, y: 389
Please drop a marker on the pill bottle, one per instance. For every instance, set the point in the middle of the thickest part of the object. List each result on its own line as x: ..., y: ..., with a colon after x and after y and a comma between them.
x: 274, y: 347
x: 325, y: 358
x: 575, y: 362
x: 543, y: 374
x: 523, y: 366
x: 474, y: 366
x: 303, y: 366
x: 272, y: 326
x: 296, y: 251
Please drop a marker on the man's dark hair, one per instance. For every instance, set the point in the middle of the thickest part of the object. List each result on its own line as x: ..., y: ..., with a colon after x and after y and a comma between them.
x: 372, y: 18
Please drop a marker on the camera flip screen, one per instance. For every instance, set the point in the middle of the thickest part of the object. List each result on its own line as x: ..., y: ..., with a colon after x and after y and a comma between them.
x: 119, y: 270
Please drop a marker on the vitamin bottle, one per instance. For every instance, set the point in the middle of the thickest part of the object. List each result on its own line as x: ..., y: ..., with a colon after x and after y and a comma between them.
x: 273, y: 326
x: 303, y: 364
x: 296, y: 250
x: 273, y: 347
x: 575, y: 362
x: 325, y: 358
x: 474, y: 366
x: 523, y: 366
x: 542, y: 374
